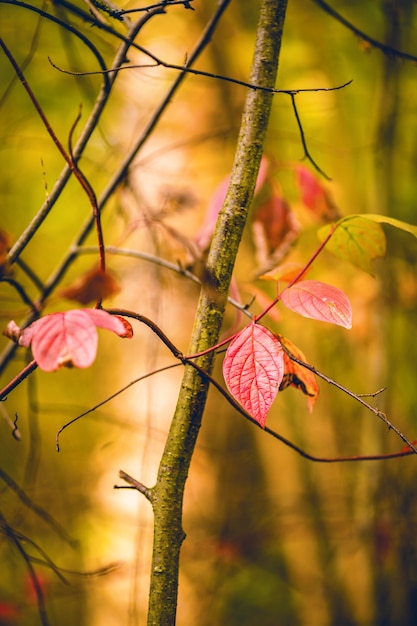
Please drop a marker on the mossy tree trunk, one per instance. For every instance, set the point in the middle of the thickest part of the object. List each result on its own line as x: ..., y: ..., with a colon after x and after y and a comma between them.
x: 167, y: 494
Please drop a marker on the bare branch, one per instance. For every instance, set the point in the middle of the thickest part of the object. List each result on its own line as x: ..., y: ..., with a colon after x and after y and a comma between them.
x: 157, y: 62
x: 109, y: 398
x: 68, y: 27
x: 307, y: 154
x: 60, y: 271
x: 37, y: 587
x: 22, y: 293
x: 358, y: 397
x: 359, y: 33
x: 156, y: 260
x: 30, y: 504
x: 15, y: 382
x: 134, y: 484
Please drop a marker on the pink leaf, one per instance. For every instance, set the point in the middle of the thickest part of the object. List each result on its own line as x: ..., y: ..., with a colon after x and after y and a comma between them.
x: 253, y: 368
x: 115, y: 323
x: 62, y: 339
x: 70, y: 338
x: 318, y: 301
x: 204, y: 235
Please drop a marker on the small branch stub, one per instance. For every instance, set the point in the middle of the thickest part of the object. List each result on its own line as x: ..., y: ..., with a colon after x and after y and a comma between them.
x: 134, y: 484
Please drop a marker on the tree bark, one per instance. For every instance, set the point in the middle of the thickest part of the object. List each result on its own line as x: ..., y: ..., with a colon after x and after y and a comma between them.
x: 167, y: 494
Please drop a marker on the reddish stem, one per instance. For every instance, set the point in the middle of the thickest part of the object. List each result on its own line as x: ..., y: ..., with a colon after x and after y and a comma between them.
x: 90, y: 193
x: 68, y: 157
x: 257, y: 318
x: 299, y: 275
x: 18, y: 379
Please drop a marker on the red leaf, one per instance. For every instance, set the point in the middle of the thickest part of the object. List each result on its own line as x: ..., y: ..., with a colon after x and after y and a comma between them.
x: 318, y: 301
x: 70, y: 338
x: 315, y: 196
x: 253, y: 368
x: 274, y: 229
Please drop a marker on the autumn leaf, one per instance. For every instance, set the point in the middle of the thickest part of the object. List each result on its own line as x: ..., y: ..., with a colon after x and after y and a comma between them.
x: 285, y: 273
x: 70, y: 338
x: 315, y: 196
x: 356, y: 239
x: 274, y: 229
x: 318, y: 301
x: 295, y: 375
x: 93, y: 286
x: 204, y: 235
x: 253, y: 368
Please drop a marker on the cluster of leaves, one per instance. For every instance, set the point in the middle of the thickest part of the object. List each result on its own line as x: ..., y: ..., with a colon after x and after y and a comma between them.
x: 258, y: 362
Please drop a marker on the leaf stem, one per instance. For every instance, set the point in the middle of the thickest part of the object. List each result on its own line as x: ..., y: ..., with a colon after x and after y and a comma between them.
x: 300, y: 273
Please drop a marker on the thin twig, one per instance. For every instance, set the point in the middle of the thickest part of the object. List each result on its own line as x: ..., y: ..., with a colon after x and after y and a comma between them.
x: 307, y: 154
x: 30, y: 504
x: 30, y: 273
x: 69, y: 158
x: 289, y: 443
x: 91, y: 196
x: 109, y: 398
x: 20, y: 377
x: 134, y: 484
x: 16, y: 434
x: 46, y: 559
x: 160, y: 5
x: 33, y: 47
x: 156, y: 260
x: 37, y: 587
x: 85, y: 135
x: 358, y: 397
x: 68, y: 27
x: 60, y: 271
x: 22, y: 293
x: 157, y: 62
x: 359, y: 33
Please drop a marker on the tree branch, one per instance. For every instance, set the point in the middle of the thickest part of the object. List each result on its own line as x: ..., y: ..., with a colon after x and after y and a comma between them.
x: 119, y: 176
x: 167, y: 494
x: 359, y: 33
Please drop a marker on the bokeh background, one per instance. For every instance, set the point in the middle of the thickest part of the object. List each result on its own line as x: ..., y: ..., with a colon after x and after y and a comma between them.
x: 272, y: 538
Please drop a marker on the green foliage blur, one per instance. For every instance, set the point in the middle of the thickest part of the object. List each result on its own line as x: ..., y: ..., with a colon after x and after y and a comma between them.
x: 272, y: 538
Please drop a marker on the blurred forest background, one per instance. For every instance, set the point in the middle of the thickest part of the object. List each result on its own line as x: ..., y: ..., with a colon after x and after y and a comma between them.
x: 272, y: 538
